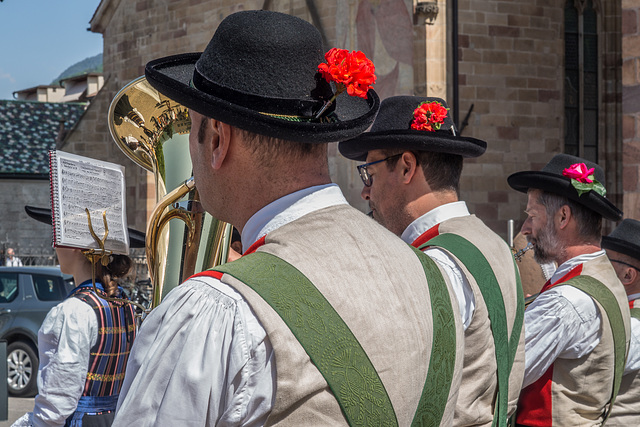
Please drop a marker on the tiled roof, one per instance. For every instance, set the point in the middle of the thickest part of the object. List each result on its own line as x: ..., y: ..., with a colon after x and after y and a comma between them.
x: 28, y: 130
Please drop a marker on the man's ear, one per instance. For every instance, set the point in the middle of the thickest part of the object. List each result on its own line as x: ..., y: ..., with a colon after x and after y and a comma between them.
x: 563, y: 216
x: 408, y: 164
x: 629, y: 276
x: 221, y: 140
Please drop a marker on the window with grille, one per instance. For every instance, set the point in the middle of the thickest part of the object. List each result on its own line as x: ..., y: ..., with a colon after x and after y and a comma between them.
x: 581, y: 79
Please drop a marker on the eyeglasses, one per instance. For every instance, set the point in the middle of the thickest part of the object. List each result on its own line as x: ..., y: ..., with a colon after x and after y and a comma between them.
x: 367, y: 180
x: 624, y: 263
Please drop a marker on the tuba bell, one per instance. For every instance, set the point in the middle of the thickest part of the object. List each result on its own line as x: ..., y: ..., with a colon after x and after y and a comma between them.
x: 153, y: 131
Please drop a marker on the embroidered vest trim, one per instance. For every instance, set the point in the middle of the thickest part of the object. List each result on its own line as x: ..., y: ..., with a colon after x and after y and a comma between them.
x: 334, y: 349
x: 505, y: 349
x: 603, y: 295
x: 108, y: 357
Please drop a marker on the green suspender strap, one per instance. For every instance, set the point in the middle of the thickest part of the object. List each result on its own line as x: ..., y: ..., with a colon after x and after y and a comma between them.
x: 334, y: 349
x: 603, y: 295
x: 635, y: 313
x: 482, y: 272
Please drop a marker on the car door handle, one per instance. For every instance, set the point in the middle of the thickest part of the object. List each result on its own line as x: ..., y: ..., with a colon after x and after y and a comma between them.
x: 5, y: 310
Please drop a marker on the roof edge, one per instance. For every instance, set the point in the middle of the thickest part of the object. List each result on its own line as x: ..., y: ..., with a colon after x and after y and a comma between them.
x: 102, y: 16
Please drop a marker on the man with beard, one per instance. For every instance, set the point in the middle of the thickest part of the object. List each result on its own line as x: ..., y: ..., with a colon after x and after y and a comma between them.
x: 578, y: 326
x: 623, y: 250
x: 411, y: 182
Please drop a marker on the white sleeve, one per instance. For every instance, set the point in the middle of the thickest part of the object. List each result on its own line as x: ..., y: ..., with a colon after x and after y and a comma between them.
x: 200, y: 358
x: 562, y: 322
x: 459, y: 283
x: 64, y: 340
x: 633, y: 360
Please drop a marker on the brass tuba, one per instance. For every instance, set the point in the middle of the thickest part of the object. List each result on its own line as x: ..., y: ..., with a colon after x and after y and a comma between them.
x: 153, y: 131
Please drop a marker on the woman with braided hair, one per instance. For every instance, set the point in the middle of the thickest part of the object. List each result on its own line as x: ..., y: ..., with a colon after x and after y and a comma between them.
x: 84, y: 342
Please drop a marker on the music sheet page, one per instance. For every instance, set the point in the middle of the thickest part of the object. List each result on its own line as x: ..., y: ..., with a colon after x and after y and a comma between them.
x: 80, y: 183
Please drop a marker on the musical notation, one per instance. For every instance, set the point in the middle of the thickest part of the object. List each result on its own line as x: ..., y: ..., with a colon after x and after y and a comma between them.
x: 81, y: 182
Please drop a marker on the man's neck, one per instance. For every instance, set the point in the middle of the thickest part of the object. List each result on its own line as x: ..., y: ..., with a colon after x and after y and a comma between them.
x: 430, y: 201
x: 574, y: 251
x: 271, y: 191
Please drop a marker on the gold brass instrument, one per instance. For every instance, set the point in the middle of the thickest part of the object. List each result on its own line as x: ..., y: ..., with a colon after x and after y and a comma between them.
x: 153, y: 131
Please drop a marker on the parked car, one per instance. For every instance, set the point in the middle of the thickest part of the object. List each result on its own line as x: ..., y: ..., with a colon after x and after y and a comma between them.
x: 26, y: 296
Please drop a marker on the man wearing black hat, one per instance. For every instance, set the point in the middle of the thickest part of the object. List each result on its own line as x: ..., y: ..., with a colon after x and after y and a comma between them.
x: 411, y: 182
x: 623, y: 250
x: 325, y: 319
x: 577, y: 329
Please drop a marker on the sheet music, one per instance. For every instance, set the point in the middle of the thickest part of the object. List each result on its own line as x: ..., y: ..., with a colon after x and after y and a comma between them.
x: 81, y: 182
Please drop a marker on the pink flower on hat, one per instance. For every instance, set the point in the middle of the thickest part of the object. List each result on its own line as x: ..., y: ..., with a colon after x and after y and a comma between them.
x: 582, y: 179
x: 580, y: 173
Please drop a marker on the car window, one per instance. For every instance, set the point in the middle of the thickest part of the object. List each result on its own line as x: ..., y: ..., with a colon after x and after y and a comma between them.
x: 8, y: 287
x: 49, y: 288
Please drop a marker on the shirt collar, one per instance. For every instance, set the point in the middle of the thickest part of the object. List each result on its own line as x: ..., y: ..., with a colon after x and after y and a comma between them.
x: 289, y: 208
x: 633, y: 297
x: 574, y: 262
x: 432, y: 218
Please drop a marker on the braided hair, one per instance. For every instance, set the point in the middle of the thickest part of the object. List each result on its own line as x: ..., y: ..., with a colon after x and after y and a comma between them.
x: 118, y: 267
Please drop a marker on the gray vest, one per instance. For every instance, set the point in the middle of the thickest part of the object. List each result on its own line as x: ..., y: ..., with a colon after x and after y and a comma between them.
x: 479, y: 380
x: 377, y: 285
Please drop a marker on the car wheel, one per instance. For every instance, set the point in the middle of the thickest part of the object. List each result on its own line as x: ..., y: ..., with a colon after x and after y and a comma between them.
x: 22, y: 370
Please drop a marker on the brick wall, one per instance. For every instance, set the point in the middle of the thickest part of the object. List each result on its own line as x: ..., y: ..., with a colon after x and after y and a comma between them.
x: 510, y: 70
x: 17, y: 230
x: 631, y: 106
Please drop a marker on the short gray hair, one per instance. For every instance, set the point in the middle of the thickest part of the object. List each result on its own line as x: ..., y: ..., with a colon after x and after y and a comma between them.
x: 589, y: 222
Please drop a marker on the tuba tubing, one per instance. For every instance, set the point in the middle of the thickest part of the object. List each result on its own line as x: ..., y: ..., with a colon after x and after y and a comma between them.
x: 153, y: 130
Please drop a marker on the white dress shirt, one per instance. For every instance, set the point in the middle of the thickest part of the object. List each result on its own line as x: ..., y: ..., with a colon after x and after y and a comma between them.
x: 562, y: 322
x: 633, y: 360
x: 13, y: 262
x: 64, y: 340
x: 202, y: 358
x: 460, y: 284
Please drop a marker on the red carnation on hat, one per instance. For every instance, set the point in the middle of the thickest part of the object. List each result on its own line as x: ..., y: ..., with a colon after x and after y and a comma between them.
x: 429, y: 116
x: 351, y: 71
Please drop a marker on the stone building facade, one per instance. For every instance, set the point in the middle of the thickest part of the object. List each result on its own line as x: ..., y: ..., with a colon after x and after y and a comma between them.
x: 631, y: 107
x: 510, y: 81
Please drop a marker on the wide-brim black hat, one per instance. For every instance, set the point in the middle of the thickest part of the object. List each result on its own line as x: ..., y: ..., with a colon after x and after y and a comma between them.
x: 260, y: 73
x: 551, y: 179
x: 625, y: 238
x: 136, y: 238
x: 392, y: 129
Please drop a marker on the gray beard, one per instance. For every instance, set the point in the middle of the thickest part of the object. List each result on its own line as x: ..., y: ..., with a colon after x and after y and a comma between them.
x: 546, y: 247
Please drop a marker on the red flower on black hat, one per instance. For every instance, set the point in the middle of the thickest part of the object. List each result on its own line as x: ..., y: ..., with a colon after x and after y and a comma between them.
x: 429, y: 116
x: 583, y: 180
x: 351, y: 71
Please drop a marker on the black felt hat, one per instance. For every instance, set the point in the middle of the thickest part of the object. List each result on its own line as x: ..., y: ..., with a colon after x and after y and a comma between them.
x: 260, y: 73
x: 625, y: 238
x: 392, y: 129
x: 136, y: 238
x: 551, y: 179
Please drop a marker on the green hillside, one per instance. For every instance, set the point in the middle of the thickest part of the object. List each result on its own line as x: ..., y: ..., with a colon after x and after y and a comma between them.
x: 88, y: 65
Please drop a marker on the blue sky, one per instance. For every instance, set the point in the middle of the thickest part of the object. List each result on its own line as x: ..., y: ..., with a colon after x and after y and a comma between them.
x: 39, y: 39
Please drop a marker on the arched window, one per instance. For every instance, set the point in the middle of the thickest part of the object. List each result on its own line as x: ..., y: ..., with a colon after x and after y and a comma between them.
x: 581, y: 79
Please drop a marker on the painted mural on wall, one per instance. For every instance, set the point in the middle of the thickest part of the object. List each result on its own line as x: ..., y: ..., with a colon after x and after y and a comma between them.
x: 383, y: 30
